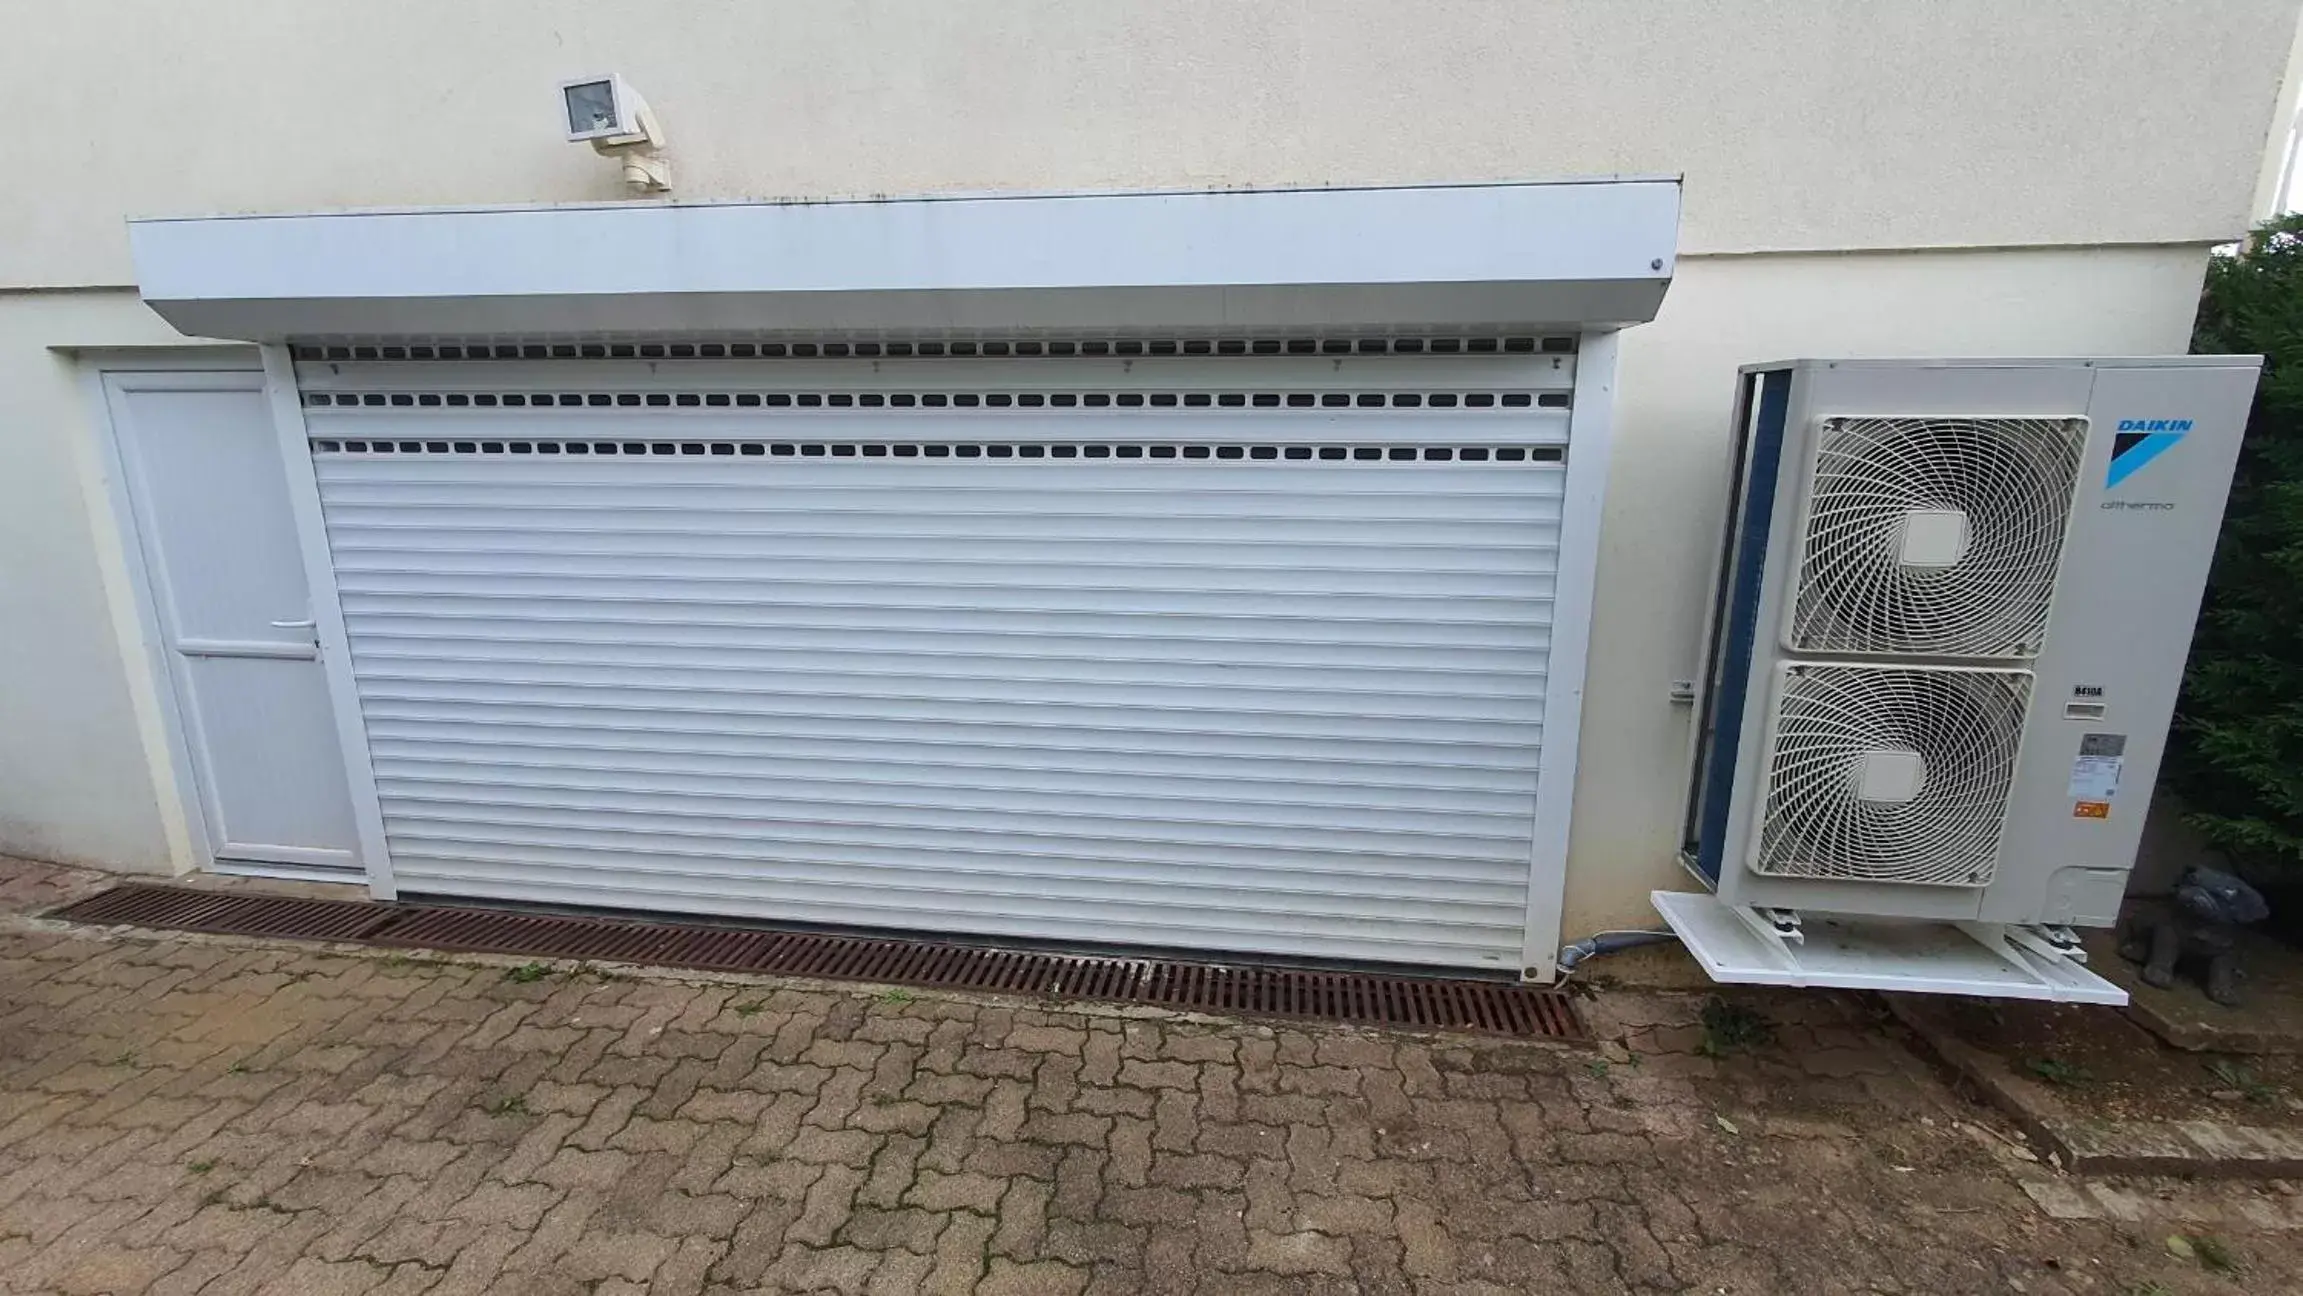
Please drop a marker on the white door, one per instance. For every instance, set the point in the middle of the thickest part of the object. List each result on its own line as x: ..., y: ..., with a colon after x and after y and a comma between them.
x: 1245, y: 655
x: 225, y: 579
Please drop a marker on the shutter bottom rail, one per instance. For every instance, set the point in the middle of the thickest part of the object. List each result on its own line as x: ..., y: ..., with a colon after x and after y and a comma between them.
x: 1246, y: 990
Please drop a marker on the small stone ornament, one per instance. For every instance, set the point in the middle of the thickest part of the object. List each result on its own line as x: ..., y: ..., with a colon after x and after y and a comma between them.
x: 2200, y: 929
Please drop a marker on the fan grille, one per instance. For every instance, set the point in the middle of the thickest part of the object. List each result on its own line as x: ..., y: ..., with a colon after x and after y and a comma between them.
x: 2006, y: 482
x: 1834, y: 723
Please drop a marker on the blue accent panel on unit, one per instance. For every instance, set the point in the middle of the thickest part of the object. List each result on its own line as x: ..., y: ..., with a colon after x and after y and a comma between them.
x: 2132, y: 450
x: 1757, y: 517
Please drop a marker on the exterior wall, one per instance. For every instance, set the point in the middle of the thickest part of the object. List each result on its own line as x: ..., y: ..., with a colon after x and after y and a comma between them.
x: 2084, y: 155
x: 1800, y: 124
x: 84, y: 770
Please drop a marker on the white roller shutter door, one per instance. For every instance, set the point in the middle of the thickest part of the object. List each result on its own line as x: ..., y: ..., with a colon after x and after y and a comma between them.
x: 1233, y: 654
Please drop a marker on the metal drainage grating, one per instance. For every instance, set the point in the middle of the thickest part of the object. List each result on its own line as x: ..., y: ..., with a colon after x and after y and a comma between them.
x: 1364, y: 998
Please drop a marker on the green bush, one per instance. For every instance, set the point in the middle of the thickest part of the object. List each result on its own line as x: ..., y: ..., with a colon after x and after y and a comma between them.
x: 2237, y: 755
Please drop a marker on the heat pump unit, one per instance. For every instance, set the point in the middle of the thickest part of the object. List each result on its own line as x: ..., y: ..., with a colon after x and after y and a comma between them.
x: 1948, y: 626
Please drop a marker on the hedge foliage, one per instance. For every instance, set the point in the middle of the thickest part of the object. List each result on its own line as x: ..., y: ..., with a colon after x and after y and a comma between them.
x: 2237, y: 755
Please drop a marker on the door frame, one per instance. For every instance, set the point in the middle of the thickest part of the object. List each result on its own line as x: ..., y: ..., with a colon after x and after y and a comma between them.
x: 1590, y: 432
x: 177, y: 371
x: 104, y: 375
x: 287, y: 407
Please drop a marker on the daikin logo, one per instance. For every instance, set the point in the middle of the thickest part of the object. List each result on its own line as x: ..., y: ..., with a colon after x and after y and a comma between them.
x: 2136, y: 442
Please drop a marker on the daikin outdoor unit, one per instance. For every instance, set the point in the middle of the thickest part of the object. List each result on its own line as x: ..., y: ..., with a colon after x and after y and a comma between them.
x: 1946, y: 634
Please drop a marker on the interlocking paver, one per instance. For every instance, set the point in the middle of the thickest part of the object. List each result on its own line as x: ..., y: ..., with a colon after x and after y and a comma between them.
x: 686, y: 1270
x: 879, y: 1230
x: 576, y: 1168
x: 1084, y: 1243
x: 830, y: 1201
x: 181, y: 1115
x: 520, y: 1206
x: 1044, y: 1278
x: 965, y: 1191
x: 633, y: 1256
x: 782, y: 1180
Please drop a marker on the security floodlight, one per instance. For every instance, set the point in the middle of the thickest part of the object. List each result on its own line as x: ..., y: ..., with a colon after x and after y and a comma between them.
x: 597, y: 109
x: 612, y: 117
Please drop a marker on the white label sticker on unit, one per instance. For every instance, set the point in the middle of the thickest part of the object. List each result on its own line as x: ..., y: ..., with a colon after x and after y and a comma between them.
x: 2095, y: 772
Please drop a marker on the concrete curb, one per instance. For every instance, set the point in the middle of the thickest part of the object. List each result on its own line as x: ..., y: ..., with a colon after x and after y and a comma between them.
x: 2195, y: 1036
x: 2081, y: 1145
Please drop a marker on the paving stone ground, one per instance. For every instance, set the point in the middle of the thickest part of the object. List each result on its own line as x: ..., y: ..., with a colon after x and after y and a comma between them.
x: 197, y: 1115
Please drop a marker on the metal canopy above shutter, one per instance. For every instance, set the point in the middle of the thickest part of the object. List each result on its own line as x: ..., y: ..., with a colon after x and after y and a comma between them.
x: 1416, y: 258
x: 1243, y: 655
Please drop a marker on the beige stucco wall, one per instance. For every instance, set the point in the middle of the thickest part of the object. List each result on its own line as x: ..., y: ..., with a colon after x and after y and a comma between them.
x: 84, y: 774
x: 1800, y: 124
x: 2084, y: 154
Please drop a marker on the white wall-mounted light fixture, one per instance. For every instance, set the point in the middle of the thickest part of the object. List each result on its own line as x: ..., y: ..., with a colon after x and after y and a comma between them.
x: 612, y: 117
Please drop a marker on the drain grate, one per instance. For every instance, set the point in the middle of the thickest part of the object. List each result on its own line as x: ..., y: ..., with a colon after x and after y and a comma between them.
x: 1373, y: 999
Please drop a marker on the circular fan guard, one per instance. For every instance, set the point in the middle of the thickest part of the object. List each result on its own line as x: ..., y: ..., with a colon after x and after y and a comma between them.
x: 2012, y: 480
x: 1964, y: 725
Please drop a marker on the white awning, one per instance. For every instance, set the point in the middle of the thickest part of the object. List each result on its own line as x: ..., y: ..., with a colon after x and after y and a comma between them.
x: 1466, y: 258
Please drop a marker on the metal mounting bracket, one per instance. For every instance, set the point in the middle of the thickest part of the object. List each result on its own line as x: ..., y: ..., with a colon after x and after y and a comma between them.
x: 2049, y: 941
x: 1778, y: 925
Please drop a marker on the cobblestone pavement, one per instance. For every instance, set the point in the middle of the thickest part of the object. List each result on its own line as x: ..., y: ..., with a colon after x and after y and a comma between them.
x: 181, y: 1115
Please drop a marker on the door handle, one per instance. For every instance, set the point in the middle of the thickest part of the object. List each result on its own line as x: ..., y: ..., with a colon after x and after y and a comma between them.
x: 304, y: 624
